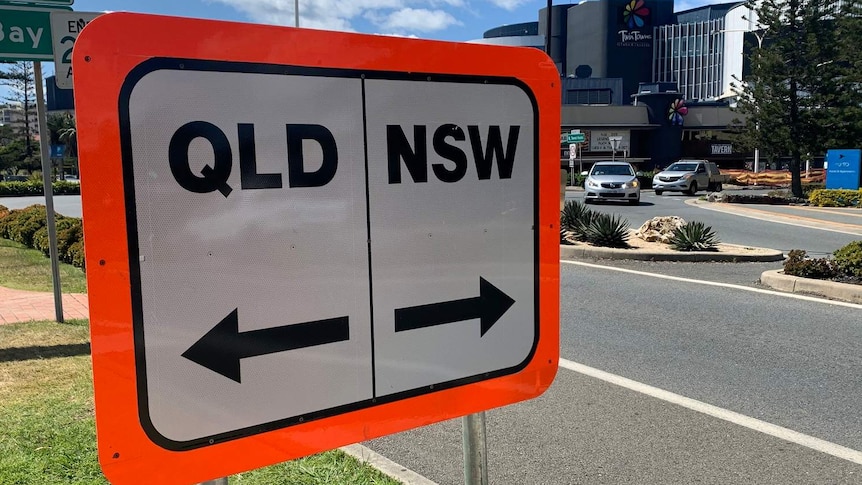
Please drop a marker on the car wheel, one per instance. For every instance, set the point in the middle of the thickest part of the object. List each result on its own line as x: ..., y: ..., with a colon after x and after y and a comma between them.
x: 634, y: 202
x: 588, y: 201
x: 658, y: 192
x: 692, y: 189
x: 718, y: 187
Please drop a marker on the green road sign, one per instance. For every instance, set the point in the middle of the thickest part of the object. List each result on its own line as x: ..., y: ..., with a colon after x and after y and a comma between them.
x: 25, y: 34
x: 37, y: 3
x: 576, y: 138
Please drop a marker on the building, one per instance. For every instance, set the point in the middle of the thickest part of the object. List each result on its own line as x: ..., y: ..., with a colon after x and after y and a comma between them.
x: 13, y: 115
x: 636, y: 69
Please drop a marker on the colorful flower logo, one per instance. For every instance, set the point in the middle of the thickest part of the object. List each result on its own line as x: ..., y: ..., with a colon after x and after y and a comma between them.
x: 676, y: 111
x: 634, y: 13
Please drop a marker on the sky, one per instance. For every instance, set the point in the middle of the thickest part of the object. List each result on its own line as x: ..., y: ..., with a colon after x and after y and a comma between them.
x: 453, y: 20
x: 450, y: 20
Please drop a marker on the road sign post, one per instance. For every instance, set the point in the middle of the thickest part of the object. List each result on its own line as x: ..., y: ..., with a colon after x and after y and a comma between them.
x: 24, y: 36
x: 283, y: 265
x: 615, y: 145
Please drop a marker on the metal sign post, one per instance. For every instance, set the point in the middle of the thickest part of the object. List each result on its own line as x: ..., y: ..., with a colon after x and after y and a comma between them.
x: 615, y: 145
x: 475, y: 449
x: 47, y: 181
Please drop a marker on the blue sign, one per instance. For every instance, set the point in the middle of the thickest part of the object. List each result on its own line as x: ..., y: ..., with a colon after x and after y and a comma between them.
x: 57, y: 151
x: 843, y: 169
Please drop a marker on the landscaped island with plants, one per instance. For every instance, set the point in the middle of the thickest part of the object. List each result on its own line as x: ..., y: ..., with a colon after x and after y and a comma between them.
x: 580, y: 225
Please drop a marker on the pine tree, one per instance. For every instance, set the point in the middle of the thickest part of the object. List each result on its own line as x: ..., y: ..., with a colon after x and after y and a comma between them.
x: 19, y: 78
x: 796, y: 99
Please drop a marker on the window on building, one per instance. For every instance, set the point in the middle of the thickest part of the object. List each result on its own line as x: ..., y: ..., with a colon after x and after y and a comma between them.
x: 589, y: 96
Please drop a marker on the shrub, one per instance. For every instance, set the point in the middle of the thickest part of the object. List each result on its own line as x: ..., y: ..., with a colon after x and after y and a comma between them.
x: 575, y: 218
x: 835, y: 197
x: 797, y: 264
x: 25, y: 223
x: 608, y: 231
x: 772, y: 198
x: 35, y: 187
x: 64, y: 225
x: 848, y: 259
x: 576, y: 179
x: 28, y: 227
x: 694, y: 236
x: 76, y: 254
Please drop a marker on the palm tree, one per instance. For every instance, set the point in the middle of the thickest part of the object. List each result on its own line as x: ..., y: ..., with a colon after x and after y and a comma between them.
x: 69, y: 136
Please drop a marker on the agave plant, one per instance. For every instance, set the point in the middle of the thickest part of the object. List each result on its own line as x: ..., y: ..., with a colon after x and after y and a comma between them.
x: 608, y: 231
x: 694, y: 236
x: 575, y: 218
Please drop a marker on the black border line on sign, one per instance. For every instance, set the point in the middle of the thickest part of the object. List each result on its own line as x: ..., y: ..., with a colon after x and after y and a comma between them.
x: 161, y: 63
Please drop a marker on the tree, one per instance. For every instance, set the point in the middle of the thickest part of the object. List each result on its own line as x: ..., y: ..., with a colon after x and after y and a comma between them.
x: 795, y: 99
x: 19, y: 78
x: 62, y: 130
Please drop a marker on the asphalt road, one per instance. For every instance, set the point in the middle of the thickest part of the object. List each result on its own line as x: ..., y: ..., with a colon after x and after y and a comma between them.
x: 778, y: 360
x: 67, y: 205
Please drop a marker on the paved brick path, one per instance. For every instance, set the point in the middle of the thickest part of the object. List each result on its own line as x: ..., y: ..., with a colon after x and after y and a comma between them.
x: 22, y: 306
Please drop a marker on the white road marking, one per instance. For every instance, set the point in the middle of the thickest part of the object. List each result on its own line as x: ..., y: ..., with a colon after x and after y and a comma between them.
x: 777, y: 221
x: 796, y: 437
x: 722, y: 285
x: 385, y: 465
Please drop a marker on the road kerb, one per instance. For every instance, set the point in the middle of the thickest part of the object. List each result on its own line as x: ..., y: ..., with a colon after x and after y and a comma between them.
x: 777, y: 280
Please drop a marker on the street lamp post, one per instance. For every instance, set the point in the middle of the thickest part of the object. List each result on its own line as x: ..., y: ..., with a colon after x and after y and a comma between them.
x: 296, y: 13
x: 759, y: 36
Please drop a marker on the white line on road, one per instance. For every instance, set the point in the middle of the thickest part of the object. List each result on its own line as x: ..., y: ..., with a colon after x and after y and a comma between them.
x: 775, y: 220
x: 715, y: 283
x: 805, y: 440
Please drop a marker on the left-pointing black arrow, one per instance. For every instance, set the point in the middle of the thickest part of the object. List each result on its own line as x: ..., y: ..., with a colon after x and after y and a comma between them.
x: 221, y: 349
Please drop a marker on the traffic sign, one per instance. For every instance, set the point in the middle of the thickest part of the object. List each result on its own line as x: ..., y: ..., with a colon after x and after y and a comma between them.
x: 25, y: 34
x: 38, y: 3
x: 65, y: 27
x: 576, y: 137
x: 290, y: 250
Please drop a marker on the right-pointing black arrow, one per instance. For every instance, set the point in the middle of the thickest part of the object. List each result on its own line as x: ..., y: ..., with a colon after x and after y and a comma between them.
x: 221, y: 349
x: 489, y: 306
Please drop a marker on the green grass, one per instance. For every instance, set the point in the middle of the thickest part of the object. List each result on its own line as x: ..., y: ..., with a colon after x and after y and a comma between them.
x: 48, y: 431
x: 28, y: 269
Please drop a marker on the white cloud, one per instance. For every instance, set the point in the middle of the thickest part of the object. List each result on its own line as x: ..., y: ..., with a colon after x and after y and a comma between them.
x: 421, y: 20
x: 396, y: 15
x: 508, y: 4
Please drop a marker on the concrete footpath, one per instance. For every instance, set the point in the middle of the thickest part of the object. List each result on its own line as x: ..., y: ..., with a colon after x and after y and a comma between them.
x: 23, y: 306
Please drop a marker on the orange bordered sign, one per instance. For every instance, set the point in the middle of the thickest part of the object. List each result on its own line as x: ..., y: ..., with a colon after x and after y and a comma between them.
x: 299, y: 239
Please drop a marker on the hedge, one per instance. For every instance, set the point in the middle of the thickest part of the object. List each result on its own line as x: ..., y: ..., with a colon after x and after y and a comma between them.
x: 28, y: 226
x: 35, y: 187
x: 836, y: 198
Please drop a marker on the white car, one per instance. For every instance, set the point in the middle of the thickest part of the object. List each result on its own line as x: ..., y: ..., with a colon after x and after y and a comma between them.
x: 612, y: 181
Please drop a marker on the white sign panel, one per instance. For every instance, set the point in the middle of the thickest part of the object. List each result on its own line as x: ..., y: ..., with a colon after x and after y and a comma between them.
x: 309, y: 242
x: 600, y: 140
x: 65, y: 27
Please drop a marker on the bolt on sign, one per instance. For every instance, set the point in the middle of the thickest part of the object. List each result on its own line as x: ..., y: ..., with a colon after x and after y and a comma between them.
x: 297, y: 248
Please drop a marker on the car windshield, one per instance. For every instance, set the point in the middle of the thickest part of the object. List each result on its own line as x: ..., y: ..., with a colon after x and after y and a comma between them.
x: 612, y: 170
x: 682, y: 167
